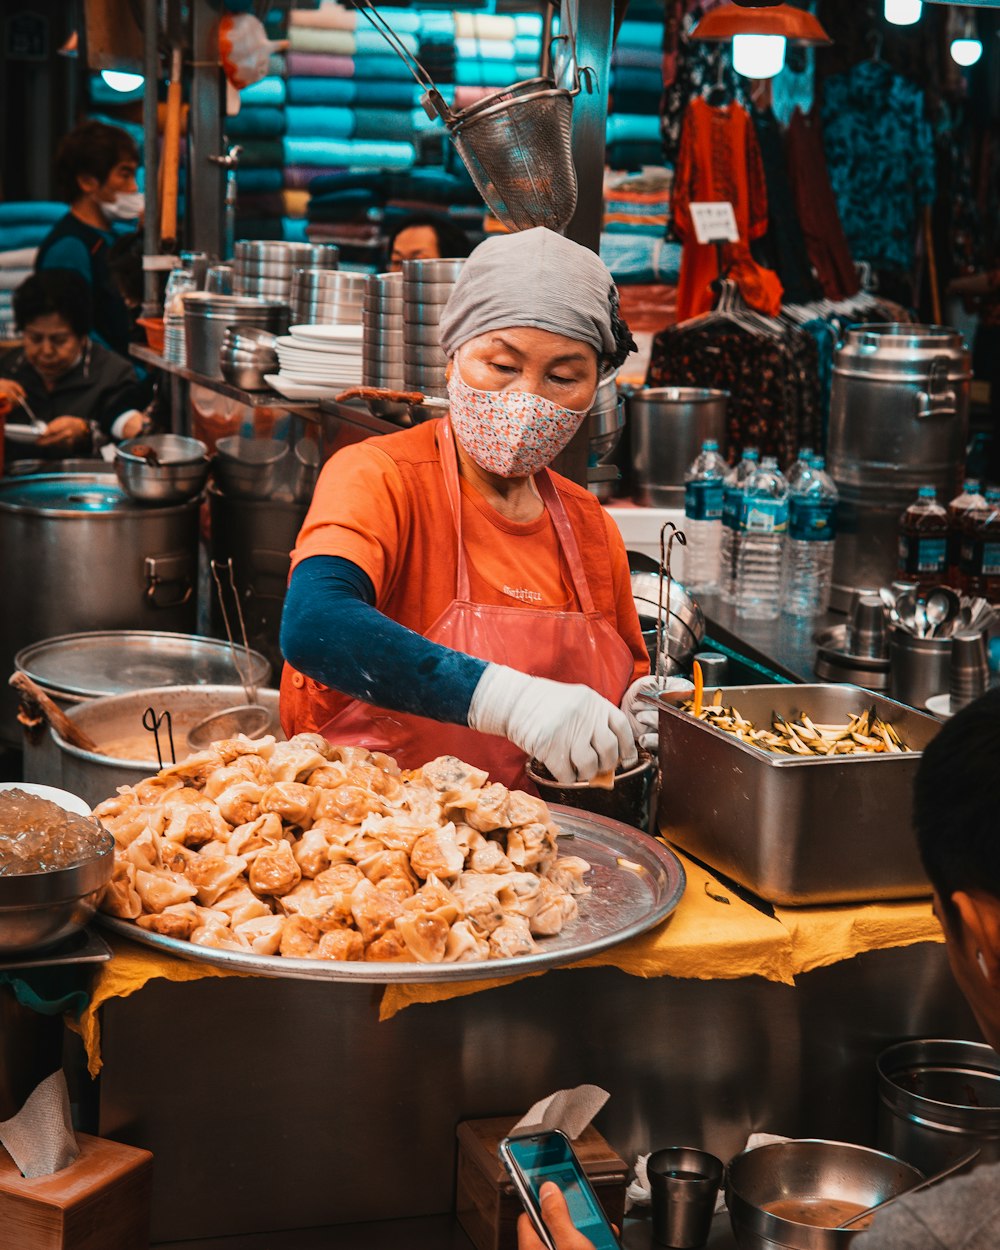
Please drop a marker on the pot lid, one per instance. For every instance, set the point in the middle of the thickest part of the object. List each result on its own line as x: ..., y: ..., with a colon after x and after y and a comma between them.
x: 67, y: 492
x: 118, y: 661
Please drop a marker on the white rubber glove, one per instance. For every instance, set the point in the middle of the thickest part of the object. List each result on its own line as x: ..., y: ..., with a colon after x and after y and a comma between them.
x: 574, y: 732
x: 643, y: 717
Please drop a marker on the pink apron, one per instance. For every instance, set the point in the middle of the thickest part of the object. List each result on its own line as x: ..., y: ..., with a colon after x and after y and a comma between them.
x: 564, y: 646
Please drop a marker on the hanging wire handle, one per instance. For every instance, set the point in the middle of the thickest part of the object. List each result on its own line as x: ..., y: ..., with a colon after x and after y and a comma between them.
x: 246, y: 679
x: 152, y: 723
x: 666, y: 555
x: 434, y: 102
x: 586, y: 72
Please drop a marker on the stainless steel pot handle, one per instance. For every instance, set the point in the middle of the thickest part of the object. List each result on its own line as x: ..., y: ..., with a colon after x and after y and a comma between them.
x: 939, y: 400
x: 171, y: 570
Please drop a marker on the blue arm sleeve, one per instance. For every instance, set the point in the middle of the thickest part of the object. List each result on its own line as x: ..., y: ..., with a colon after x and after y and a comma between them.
x: 69, y: 254
x: 332, y: 632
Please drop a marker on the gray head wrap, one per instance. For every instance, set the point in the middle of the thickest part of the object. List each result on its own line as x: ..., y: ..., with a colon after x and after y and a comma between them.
x: 536, y: 278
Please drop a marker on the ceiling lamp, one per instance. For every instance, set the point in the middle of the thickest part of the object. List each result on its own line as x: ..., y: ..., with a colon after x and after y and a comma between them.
x: 759, y: 34
x: 122, y: 80
x: 966, y: 52
x: 903, y: 12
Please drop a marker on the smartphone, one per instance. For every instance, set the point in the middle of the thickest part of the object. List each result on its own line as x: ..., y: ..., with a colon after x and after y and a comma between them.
x: 536, y: 1158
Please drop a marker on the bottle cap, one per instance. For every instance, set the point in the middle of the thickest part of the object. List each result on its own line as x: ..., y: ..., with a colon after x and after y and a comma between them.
x: 819, y: 463
x: 751, y: 453
x: 992, y: 494
x: 710, y: 444
x: 769, y: 462
x: 927, y: 492
x: 971, y: 485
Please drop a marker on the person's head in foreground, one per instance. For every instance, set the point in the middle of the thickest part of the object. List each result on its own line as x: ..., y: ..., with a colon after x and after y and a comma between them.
x: 95, y: 170
x: 426, y: 238
x: 956, y: 812
x: 530, y: 329
x: 52, y: 313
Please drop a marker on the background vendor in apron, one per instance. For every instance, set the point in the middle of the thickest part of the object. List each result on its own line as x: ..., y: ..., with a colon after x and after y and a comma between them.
x: 449, y: 593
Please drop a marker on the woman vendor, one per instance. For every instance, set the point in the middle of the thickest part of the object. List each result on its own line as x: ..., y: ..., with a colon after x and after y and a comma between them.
x: 82, y: 393
x: 449, y: 593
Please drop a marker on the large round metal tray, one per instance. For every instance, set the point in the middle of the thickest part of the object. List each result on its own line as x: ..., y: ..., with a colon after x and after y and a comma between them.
x: 635, y: 883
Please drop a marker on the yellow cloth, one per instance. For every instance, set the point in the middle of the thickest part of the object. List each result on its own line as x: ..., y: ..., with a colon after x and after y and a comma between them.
x: 296, y: 203
x: 711, y: 936
x: 130, y: 967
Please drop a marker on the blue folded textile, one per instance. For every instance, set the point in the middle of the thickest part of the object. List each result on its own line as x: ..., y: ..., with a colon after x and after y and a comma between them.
x: 369, y: 40
x: 492, y: 73
x: 24, y: 234
x: 322, y: 90
x: 630, y: 126
x: 384, y: 124
x: 485, y: 49
x: 639, y: 58
x: 634, y: 227
x: 634, y: 78
x: 528, y: 24
x: 437, y: 25
x: 350, y: 153
x: 378, y: 93
x: 270, y: 90
x: 31, y: 212
x: 386, y: 65
x: 259, y: 181
x: 528, y: 48
x: 293, y: 230
x: 314, y: 121
x: 635, y: 259
x: 256, y: 123
x: 640, y: 35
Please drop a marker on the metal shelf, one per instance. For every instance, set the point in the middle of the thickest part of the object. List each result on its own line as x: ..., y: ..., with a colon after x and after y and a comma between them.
x: 252, y: 399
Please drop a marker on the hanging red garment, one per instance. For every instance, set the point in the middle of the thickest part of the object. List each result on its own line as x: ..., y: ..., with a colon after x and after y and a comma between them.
x: 816, y: 206
x: 719, y: 160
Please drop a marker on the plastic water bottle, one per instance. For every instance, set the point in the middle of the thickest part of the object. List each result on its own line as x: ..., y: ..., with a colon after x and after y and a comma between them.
x: 812, y: 528
x: 959, y: 509
x: 979, y: 562
x: 703, y: 490
x: 762, y: 534
x: 732, y: 506
x: 800, y: 467
x: 923, y: 541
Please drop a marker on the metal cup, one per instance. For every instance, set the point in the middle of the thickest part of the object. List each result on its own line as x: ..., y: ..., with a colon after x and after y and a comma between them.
x: 714, y: 667
x: 866, y: 633
x: 969, y: 670
x: 684, y: 1183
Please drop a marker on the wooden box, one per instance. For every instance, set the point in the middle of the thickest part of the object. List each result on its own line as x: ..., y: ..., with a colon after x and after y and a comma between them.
x: 100, y: 1202
x: 486, y: 1201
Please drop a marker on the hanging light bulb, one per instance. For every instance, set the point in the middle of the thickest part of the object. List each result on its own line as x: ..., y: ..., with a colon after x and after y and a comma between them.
x: 122, y: 80
x: 759, y: 56
x: 903, y: 12
x: 966, y: 52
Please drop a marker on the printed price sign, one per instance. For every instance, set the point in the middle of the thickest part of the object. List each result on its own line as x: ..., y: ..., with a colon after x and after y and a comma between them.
x: 714, y: 222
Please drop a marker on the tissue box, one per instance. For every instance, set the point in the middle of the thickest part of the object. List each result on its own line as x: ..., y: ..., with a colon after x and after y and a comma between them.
x: 486, y: 1201
x: 102, y: 1200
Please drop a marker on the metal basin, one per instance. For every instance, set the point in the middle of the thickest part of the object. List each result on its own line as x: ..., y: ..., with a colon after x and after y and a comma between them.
x: 686, y: 626
x: 938, y: 1099
x: 809, y: 1169
x: 38, y: 909
x: 180, y: 474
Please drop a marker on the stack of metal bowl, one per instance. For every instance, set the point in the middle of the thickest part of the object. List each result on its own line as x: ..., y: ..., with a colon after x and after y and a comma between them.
x: 250, y: 468
x: 265, y: 268
x: 246, y: 356
x: 207, y: 317
x: 427, y: 284
x: 324, y: 297
x: 382, y: 356
x: 162, y: 468
x: 604, y: 425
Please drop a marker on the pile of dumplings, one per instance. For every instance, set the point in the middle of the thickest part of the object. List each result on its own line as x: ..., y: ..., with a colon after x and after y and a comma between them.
x: 315, y: 851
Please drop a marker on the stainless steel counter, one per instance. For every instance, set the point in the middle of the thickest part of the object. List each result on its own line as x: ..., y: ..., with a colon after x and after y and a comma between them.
x: 277, y: 1105
x: 784, y: 645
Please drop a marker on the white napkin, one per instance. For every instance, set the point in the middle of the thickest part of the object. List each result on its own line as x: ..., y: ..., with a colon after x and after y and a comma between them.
x: 40, y: 1137
x: 569, y: 1110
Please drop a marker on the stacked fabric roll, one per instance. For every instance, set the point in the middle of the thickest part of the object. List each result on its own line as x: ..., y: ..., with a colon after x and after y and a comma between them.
x: 15, y: 265
x: 633, y: 138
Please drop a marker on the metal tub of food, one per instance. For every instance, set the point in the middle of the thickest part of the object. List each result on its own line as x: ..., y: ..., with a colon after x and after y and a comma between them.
x: 795, y: 830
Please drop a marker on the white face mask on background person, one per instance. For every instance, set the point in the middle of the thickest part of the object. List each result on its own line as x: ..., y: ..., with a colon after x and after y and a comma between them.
x: 125, y: 206
x: 510, y: 433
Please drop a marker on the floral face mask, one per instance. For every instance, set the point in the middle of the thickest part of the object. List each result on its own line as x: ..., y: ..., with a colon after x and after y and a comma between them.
x: 510, y: 433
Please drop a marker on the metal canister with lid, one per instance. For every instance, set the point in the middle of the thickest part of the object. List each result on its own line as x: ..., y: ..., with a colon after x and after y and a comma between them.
x: 76, y: 553
x: 899, y: 418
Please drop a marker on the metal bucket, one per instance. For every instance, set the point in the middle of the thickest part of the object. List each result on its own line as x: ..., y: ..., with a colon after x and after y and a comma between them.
x: 207, y: 317
x: 77, y: 554
x: 937, y: 1100
x: 899, y: 419
x: 668, y: 425
x: 919, y: 667
x: 94, y: 777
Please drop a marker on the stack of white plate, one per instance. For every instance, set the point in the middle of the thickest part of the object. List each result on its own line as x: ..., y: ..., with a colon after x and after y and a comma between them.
x: 318, y: 361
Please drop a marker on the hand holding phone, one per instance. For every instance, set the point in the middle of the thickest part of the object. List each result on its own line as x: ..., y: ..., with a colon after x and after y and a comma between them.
x: 570, y: 1218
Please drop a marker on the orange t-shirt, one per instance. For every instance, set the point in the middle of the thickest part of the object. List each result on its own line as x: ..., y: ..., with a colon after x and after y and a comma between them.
x: 382, y: 504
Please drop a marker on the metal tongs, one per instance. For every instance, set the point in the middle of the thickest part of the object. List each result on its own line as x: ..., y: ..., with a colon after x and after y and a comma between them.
x: 662, y: 653
x: 251, y: 718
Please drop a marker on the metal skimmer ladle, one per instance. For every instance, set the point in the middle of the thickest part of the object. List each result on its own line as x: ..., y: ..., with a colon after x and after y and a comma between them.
x: 924, y: 1184
x: 251, y: 718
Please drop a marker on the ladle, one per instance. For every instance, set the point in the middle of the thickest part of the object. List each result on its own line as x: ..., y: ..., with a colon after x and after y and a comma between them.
x: 924, y: 1184
x: 251, y: 719
x: 889, y: 603
x: 56, y: 717
x: 906, y: 607
x: 942, y: 605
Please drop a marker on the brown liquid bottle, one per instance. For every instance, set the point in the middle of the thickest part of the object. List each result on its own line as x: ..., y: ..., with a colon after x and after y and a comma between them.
x: 979, y: 559
x: 960, y: 506
x: 923, y: 541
